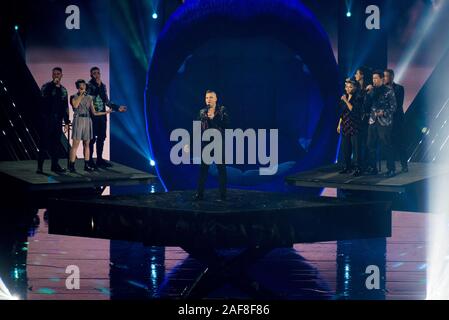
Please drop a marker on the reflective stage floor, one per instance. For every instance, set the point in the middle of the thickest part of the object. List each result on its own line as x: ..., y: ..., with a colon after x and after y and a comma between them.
x: 34, y: 264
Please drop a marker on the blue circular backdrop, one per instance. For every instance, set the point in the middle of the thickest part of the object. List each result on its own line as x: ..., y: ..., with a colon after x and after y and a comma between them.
x: 272, y: 66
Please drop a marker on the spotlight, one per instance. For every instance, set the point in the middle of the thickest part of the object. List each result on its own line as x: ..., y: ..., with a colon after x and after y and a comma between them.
x: 5, y: 294
x: 155, y: 16
x: 152, y: 163
x: 349, y: 14
x: 16, y: 27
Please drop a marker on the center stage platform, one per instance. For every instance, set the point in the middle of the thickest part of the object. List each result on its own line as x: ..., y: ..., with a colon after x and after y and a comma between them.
x: 254, y: 222
x: 247, y: 218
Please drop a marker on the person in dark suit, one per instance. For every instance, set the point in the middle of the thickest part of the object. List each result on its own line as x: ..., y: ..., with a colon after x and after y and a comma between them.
x: 382, y: 103
x: 364, y: 79
x: 398, y: 119
x: 97, y: 90
x: 213, y: 116
x: 55, y: 109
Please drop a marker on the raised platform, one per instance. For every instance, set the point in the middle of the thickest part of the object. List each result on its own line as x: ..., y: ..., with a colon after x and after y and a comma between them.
x: 23, y: 187
x: 254, y: 223
x: 328, y: 177
x: 247, y: 219
x: 23, y: 173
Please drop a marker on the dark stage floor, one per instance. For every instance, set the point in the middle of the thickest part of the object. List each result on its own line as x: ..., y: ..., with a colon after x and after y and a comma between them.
x: 247, y: 218
x: 34, y: 264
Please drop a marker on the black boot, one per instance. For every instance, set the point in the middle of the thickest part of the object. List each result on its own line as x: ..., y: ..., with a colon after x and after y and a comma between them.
x: 72, y: 167
x: 87, y: 167
x: 357, y: 173
x: 390, y: 174
x: 56, y: 168
x: 371, y: 171
x: 345, y: 170
x: 103, y: 163
x: 92, y: 164
x: 198, y: 196
x: 40, y: 166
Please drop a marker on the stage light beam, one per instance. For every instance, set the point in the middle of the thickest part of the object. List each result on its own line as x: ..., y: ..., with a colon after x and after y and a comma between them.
x: 438, y: 220
x: 349, y: 4
x: 424, y: 29
x: 5, y: 294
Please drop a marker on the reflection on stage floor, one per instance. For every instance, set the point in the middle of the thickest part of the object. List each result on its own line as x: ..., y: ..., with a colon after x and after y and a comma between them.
x: 34, y: 265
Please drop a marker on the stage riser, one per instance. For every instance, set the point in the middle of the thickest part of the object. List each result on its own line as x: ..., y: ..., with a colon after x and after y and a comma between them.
x: 265, y: 228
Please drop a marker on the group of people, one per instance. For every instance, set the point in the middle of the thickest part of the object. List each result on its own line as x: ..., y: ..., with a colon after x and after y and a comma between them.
x: 372, y: 114
x: 90, y: 105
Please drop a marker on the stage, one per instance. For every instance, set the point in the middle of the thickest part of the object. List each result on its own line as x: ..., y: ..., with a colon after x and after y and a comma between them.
x: 329, y: 177
x: 406, y: 190
x: 255, y: 222
x: 276, y: 88
x: 247, y: 218
x: 25, y: 184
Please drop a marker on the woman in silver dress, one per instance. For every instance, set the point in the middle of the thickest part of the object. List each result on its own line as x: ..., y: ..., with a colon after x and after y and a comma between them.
x: 83, y: 107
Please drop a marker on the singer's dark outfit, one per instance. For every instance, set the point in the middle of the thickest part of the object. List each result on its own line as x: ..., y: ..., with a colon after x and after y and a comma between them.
x: 381, y: 127
x: 54, y: 110
x: 99, y: 123
x: 219, y: 122
x: 398, y: 126
x: 351, y: 126
x: 364, y: 127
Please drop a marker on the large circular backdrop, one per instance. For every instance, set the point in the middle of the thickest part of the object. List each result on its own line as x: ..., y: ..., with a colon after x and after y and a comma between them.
x: 272, y: 66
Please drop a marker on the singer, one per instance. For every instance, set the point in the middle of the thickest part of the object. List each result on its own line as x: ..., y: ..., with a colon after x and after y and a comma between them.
x: 351, y: 105
x: 213, y: 117
x: 382, y: 102
x: 82, y: 105
x: 55, y: 108
x: 97, y: 89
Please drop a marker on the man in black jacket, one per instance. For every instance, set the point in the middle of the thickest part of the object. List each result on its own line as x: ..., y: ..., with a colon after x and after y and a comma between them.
x: 398, y: 119
x: 213, y: 117
x: 97, y: 89
x: 382, y: 103
x: 55, y: 109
